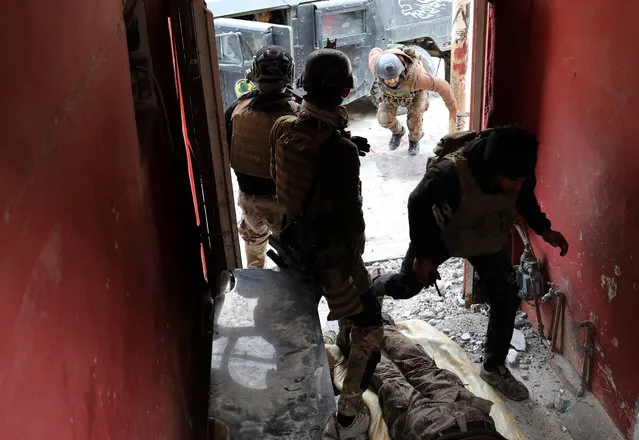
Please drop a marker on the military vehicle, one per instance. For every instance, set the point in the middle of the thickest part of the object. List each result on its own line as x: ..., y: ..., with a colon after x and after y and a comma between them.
x: 356, y: 25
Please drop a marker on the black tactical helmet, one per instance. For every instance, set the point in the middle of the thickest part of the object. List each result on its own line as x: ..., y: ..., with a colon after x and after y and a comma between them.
x: 327, y: 68
x: 271, y: 64
x: 389, y: 66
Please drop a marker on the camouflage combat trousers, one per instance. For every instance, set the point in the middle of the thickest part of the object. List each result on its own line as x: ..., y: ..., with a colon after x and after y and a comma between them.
x: 347, y: 289
x: 261, y: 216
x: 387, y: 116
x: 421, y: 401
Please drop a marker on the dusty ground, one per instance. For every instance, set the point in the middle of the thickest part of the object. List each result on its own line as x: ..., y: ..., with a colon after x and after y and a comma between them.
x: 551, y: 413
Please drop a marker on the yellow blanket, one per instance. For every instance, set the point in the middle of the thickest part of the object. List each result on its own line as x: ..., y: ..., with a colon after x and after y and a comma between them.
x: 448, y: 355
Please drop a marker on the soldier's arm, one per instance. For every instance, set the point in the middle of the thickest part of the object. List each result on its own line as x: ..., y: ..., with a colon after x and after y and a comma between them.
x: 229, y: 123
x: 438, y: 186
x: 348, y: 189
x: 373, y: 56
x: 426, y: 81
x: 274, y: 135
x: 528, y: 206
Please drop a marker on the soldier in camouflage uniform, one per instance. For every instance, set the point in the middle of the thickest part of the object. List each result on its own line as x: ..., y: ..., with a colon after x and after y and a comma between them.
x: 248, y: 123
x: 405, y: 82
x: 315, y: 165
x: 419, y: 400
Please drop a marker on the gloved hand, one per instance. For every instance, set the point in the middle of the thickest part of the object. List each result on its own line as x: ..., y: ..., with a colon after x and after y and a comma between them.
x: 363, y: 146
x: 426, y: 271
x: 556, y: 239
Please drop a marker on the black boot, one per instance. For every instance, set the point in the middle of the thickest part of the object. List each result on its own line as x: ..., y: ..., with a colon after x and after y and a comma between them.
x: 396, y: 139
x: 413, y: 148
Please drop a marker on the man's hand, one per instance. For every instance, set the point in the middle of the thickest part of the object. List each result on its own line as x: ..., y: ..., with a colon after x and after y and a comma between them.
x: 556, y: 239
x: 426, y: 271
x: 363, y: 146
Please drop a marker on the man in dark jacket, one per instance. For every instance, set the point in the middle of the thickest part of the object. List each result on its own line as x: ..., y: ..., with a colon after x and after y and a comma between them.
x: 464, y: 207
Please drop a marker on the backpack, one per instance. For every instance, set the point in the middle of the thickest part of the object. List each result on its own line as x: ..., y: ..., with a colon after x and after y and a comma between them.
x: 453, y: 142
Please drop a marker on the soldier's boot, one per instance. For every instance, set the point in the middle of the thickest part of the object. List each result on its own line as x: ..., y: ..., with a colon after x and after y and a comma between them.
x: 413, y: 148
x: 505, y: 382
x: 396, y: 139
x: 358, y: 428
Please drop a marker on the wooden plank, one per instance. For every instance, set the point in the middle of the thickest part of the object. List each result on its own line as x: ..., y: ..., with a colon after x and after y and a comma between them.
x: 210, y: 76
x: 459, y: 56
x: 480, y: 22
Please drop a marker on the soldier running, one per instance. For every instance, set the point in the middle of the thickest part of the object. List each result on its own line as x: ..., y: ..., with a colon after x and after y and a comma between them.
x: 248, y: 123
x: 315, y: 165
x: 465, y: 207
x: 405, y: 82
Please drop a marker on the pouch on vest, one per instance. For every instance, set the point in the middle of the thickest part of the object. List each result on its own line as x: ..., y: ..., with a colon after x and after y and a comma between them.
x: 454, y: 142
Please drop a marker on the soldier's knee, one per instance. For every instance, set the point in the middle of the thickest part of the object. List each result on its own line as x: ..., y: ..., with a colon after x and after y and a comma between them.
x: 385, y: 117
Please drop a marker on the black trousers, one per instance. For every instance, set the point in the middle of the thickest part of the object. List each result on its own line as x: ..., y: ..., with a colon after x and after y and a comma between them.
x: 497, y: 273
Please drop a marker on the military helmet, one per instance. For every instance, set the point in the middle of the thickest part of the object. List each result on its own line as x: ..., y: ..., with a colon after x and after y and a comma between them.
x: 389, y: 66
x: 271, y: 64
x: 327, y: 68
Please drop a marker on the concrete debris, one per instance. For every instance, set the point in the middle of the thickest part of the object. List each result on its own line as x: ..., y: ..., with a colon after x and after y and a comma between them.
x: 518, y: 340
x: 446, y: 331
x: 524, y: 377
x: 478, y: 308
x: 461, y: 301
x: 465, y: 337
x: 521, y: 320
x: 513, y: 358
x: 561, y: 403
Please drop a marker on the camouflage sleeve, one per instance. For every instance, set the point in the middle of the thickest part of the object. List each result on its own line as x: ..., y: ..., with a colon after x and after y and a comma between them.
x: 373, y: 56
x: 348, y: 189
x: 426, y: 81
x: 274, y: 135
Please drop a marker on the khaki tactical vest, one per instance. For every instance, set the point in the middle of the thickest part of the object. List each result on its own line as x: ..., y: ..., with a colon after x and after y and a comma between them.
x: 297, y: 160
x: 481, y: 225
x: 250, y: 149
x: 402, y: 95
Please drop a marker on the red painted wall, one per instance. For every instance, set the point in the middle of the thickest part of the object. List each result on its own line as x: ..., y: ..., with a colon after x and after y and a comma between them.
x: 94, y: 324
x: 569, y: 71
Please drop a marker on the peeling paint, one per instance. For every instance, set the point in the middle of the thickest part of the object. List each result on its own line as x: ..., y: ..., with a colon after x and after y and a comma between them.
x: 107, y: 283
x: 581, y: 236
x: 607, y: 375
x: 614, y: 342
x: 7, y: 217
x: 617, y: 271
x: 579, y: 275
x: 117, y: 246
x: 610, y: 285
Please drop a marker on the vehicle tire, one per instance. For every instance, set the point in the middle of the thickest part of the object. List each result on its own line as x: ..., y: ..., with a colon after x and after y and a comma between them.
x: 428, y: 63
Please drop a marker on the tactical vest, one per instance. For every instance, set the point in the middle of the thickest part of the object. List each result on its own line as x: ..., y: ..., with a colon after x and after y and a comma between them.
x: 402, y: 95
x: 297, y: 161
x: 250, y: 148
x: 481, y: 225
